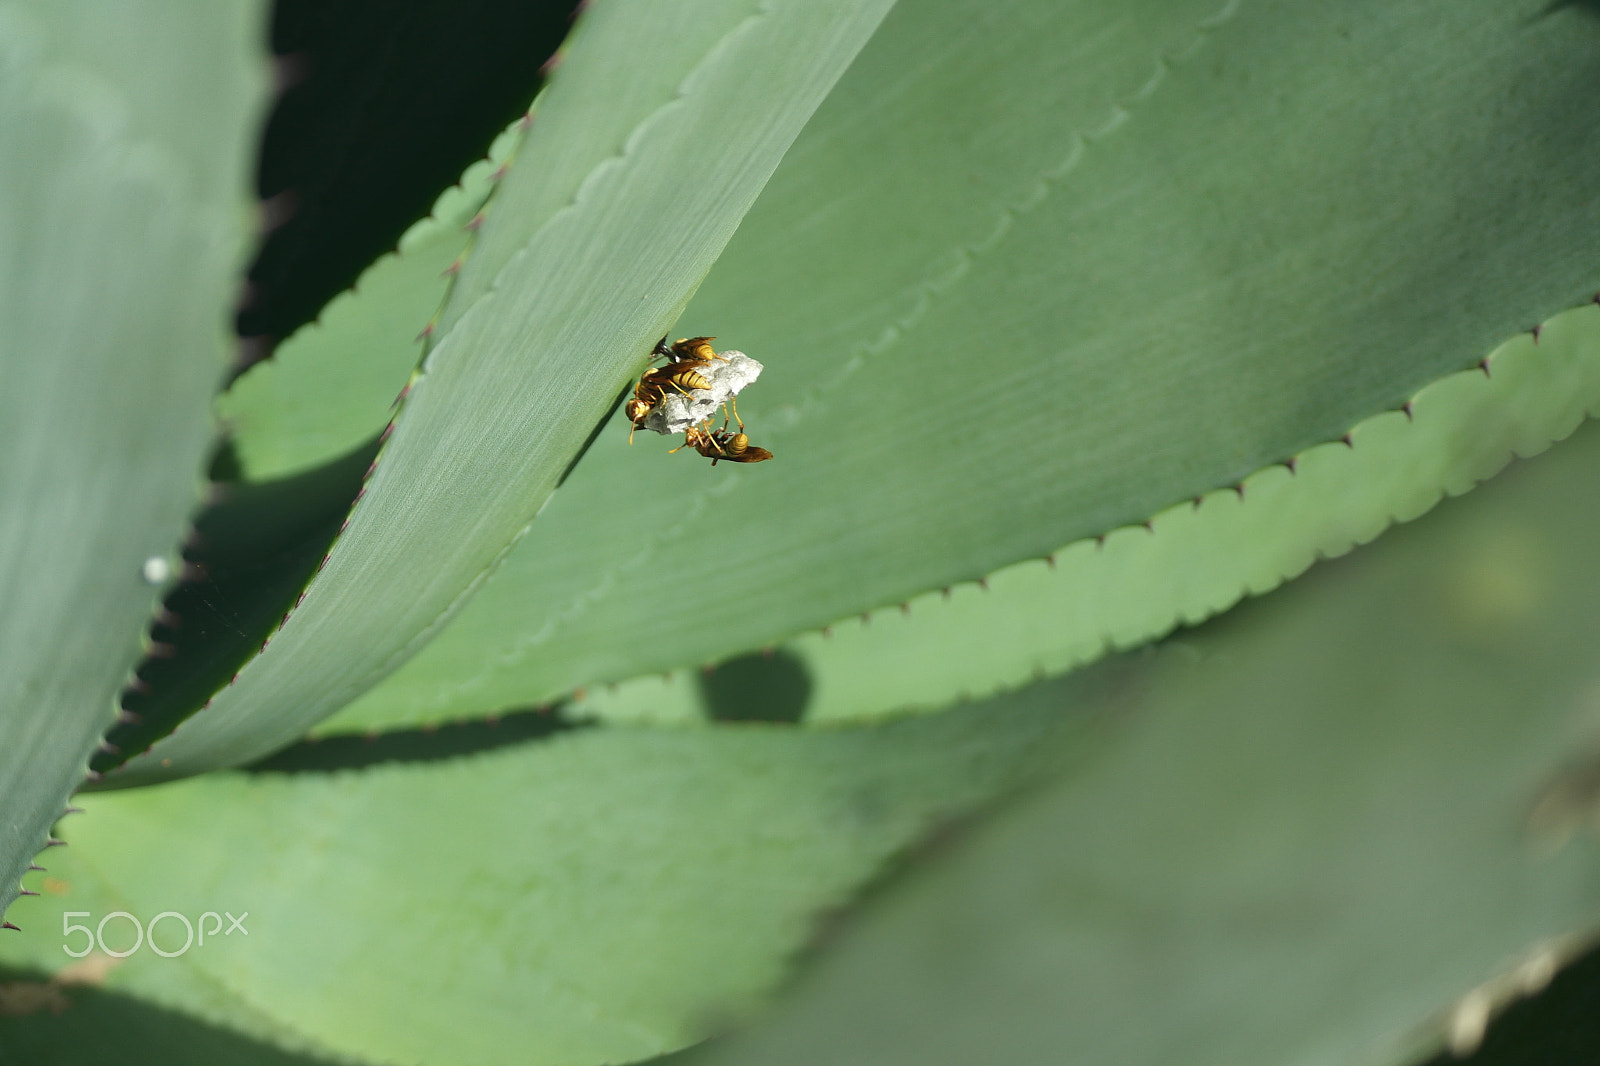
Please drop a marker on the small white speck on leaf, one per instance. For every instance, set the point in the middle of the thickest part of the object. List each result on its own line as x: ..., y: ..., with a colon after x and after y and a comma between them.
x: 1468, y: 1021
x: 156, y: 570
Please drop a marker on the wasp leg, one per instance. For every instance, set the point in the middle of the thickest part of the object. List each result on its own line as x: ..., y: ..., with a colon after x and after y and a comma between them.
x: 689, y: 437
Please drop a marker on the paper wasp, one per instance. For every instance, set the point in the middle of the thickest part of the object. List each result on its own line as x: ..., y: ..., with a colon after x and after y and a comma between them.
x: 685, y: 360
x: 721, y: 444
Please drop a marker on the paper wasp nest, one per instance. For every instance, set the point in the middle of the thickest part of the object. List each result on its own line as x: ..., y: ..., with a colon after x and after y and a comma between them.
x: 728, y: 373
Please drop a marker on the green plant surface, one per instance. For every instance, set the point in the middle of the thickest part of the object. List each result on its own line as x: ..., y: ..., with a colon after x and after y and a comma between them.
x: 1043, y: 617
x: 530, y: 355
x: 598, y: 896
x: 1150, y: 251
x: 122, y: 202
x: 1332, y: 821
x: 331, y: 387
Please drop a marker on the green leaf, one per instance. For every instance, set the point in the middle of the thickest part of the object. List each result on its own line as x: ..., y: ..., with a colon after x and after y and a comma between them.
x: 1341, y: 822
x: 582, y: 268
x: 122, y: 186
x: 1042, y: 617
x: 600, y: 896
x: 1039, y: 271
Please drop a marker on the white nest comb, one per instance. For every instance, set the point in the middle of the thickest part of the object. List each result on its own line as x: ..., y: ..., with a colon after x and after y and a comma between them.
x: 728, y: 373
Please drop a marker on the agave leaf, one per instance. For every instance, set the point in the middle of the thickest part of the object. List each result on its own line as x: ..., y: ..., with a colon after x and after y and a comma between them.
x: 1344, y: 821
x: 1038, y: 271
x: 121, y: 191
x: 600, y: 896
x: 1045, y: 616
x: 581, y: 273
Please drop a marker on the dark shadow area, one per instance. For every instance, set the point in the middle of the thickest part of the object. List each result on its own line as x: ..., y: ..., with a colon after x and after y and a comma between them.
x: 1558, y: 1027
x: 358, y: 751
x: 80, y: 1025
x: 252, y: 552
x: 759, y: 687
x: 384, y: 103
x: 1588, y: 7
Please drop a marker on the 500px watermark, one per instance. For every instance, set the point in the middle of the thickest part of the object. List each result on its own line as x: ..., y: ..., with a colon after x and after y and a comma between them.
x: 143, y: 934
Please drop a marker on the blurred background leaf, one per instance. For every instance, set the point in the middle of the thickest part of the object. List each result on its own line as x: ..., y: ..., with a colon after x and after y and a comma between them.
x: 594, y: 896
x: 1329, y: 817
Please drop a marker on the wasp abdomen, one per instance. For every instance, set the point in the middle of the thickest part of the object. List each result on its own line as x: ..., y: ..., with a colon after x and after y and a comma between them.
x: 679, y: 376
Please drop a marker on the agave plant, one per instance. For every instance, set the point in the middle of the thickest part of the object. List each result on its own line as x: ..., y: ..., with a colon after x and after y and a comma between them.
x: 415, y: 716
